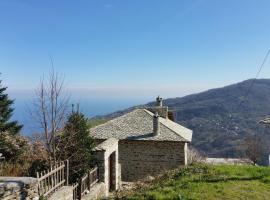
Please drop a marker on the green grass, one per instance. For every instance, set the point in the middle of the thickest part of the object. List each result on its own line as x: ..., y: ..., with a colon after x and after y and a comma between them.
x: 208, y: 182
x: 95, y: 122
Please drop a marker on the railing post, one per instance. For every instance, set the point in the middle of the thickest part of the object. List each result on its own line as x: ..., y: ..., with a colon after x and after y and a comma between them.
x: 38, y: 184
x: 97, y: 173
x: 80, y: 189
x: 89, y: 179
x: 67, y: 172
x: 51, y: 177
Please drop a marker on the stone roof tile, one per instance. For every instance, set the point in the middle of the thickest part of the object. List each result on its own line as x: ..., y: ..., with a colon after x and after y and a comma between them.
x: 138, y: 125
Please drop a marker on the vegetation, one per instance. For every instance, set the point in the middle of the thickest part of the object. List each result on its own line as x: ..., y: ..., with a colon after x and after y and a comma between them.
x: 254, y: 147
x: 76, y: 145
x: 63, y: 137
x: 6, y: 112
x: 95, y: 122
x: 22, y: 157
x: 207, y: 182
x: 13, y: 147
x: 50, y: 110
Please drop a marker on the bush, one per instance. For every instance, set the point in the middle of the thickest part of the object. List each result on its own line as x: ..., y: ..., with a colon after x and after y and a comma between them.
x: 194, y: 156
x: 38, y: 158
x: 22, y: 158
x: 13, y: 147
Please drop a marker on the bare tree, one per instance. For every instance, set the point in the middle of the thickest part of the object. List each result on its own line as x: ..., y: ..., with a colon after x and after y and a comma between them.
x: 194, y: 156
x: 50, y: 109
x: 254, y: 147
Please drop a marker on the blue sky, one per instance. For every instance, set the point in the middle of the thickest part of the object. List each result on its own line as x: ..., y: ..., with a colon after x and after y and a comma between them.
x: 133, y: 48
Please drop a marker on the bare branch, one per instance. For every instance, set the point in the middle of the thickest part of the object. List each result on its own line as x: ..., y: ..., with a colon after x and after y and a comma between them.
x: 50, y: 108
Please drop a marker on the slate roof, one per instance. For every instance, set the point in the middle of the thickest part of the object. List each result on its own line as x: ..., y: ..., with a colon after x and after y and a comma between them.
x: 107, y: 144
x: 138, y: 125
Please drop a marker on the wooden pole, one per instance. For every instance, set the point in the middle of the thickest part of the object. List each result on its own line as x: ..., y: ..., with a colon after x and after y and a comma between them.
x: 67, y: 172
x: 89, y: 179
x: 80, y: 189
x: 51, y: 177
x: 38, y: 184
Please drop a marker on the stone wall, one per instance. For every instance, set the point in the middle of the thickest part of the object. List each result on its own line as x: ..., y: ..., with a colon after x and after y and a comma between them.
x: 139, y: 159
x: 104, y: 154
x: 18, y: 188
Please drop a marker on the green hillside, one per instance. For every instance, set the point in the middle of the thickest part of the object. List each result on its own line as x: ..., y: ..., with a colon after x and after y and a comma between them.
x: 208, y: 182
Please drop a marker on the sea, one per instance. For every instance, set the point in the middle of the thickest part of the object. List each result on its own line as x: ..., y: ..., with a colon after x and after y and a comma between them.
x: 91, y: 107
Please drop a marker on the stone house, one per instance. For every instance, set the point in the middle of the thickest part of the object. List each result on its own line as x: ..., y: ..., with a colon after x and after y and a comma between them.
x: 149, y: 142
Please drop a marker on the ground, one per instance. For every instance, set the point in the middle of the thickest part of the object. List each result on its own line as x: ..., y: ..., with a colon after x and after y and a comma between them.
x: 207, y: 182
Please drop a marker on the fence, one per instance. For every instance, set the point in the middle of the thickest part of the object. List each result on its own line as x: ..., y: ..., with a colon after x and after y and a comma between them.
x: 2, y: 163
x: 53, y: 179
x: 85, y: 184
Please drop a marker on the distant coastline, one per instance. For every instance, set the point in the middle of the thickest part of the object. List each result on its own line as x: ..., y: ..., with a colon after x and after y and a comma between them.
x: 90, y: 107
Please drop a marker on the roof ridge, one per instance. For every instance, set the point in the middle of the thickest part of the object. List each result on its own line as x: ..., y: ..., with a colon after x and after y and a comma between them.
x: 172, y: 129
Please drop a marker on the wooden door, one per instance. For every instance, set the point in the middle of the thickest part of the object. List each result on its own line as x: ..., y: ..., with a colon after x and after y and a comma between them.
x: 111, y: 172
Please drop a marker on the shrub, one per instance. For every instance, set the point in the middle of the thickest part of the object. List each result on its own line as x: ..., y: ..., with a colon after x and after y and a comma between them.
x: 22, y: 158
x: 193, y: 156
x: 13, y: 147
x: 39, y: 159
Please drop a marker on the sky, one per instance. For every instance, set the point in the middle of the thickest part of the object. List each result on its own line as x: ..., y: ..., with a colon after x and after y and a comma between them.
x: 132, y: 49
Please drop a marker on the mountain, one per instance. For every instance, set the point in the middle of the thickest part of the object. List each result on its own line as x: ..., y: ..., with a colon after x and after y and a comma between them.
x: 221, y: 118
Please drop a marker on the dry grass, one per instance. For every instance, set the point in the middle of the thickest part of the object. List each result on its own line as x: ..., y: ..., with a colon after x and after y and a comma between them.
x: 11, y: 169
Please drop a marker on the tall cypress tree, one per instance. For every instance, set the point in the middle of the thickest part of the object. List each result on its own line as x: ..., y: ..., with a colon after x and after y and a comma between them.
x: 6, y: 112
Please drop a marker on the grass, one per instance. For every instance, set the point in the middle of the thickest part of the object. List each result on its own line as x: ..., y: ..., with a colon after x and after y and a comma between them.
x: 95, y: 122
x: 208, y: 182
x: 11, y: 169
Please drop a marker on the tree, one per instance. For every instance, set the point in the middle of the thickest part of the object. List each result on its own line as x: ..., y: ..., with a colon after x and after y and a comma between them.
x: 75, y: 144
x: 194, y: 156
x: 50, y: 109
x: 6, y: 112
x: 254, y: 147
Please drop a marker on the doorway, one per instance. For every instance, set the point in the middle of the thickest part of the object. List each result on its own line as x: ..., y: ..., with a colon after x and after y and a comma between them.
x: 112, y: 172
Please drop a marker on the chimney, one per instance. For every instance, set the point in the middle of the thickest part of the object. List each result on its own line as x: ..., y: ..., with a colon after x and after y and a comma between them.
x: 156, y: 125
x: 161, y: 110
x: 159, y: 101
